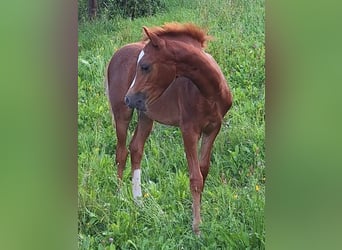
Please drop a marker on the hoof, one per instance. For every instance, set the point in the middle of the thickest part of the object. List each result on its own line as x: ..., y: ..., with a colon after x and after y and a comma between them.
x: 138, y: 201
x: 196, y: 230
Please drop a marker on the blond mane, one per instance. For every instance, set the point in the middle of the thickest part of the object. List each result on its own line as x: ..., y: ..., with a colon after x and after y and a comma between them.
x: 177, y: 29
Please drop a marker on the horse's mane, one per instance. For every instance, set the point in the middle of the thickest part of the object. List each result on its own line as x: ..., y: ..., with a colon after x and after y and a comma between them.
x: 177, y: 29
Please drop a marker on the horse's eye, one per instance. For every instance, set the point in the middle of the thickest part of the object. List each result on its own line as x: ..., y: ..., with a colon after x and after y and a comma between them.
x: 145, y: 67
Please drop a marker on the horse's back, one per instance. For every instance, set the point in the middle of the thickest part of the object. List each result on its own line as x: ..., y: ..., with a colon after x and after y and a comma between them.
x: 121, y: 70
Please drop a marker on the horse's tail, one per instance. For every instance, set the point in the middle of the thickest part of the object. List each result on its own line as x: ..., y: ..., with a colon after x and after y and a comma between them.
x: 106, y: 87
x: 105, y: 82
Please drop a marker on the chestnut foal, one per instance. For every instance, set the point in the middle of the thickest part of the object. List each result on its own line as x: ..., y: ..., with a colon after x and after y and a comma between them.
x: 168, y: 78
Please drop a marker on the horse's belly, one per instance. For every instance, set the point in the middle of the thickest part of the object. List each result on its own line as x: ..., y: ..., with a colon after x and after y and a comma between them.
x: 164, y: 115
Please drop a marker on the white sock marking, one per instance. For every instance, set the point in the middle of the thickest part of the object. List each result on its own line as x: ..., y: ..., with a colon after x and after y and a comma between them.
x: 141, y: 54
x: 136, y: 184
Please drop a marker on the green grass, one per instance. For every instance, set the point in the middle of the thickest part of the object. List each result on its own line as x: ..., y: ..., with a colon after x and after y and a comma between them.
x: 234, y: 195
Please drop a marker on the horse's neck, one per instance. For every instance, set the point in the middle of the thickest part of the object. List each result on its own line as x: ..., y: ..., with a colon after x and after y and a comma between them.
x: 203, y: 70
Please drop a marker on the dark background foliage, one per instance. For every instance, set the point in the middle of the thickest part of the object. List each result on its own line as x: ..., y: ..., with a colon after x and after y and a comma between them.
x: 124, y: 8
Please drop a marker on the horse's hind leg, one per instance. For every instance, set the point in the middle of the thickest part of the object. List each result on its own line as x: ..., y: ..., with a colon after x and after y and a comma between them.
x: 206, y: 147
x: 136, y: 148
x: 122, y: 118
x: 190, y: 139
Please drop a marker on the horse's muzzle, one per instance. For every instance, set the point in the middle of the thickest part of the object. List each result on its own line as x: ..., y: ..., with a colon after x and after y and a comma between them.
x: 136, y: 101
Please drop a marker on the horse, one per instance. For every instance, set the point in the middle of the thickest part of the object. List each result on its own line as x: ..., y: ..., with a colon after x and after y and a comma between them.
x: 169, y: 78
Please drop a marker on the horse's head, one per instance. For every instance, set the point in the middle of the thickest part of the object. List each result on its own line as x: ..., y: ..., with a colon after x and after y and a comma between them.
x: 155, y: 71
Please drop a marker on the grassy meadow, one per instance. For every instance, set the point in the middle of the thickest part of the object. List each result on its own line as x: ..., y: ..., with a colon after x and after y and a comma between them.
x: 234, y: 195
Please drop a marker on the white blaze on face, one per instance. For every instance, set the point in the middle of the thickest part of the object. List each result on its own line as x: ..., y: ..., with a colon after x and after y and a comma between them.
x: 136, y: 184
x: 139, y: 58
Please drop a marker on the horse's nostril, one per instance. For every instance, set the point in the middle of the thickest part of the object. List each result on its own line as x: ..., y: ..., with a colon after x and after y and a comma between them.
x: 127, y: 100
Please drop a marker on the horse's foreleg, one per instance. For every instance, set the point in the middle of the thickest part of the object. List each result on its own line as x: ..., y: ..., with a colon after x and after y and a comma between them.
x: 190, y: 139
x: 122, y: 118
x: 206, y: 147
x: 136, y: 147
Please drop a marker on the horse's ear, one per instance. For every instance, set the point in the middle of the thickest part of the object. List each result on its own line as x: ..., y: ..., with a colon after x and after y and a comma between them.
x: 155, y: 40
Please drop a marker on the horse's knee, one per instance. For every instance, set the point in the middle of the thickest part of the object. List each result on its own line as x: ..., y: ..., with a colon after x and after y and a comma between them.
x: 134, y: 150
x: 196, y: 185
x: 121, y: 150
x: 120, y: 159
x: 121, y: 154
x: 136, y: 153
